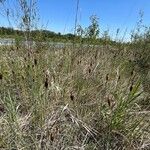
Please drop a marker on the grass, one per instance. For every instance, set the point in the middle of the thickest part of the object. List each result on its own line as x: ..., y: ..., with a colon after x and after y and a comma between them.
x: 73, y: 97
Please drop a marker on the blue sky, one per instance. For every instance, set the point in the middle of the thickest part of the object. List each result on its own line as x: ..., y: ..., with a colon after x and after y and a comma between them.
x: 59, y: 15
x: 113, y: 14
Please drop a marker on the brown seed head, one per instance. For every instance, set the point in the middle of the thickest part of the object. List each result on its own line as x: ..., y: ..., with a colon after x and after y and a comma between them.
x: 1, y: 76
x: 107, y: 77
x: 71, y: 96
x: 1, y: 108
x: 35, y: 62
x: 131, y: 87
x: 131, y: 72
x: 13, y: 72
x: 46, y: 83
x: 89, y: 70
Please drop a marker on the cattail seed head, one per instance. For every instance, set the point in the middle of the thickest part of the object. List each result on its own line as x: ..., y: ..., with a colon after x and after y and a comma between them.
x: 131, y: 72
x: 1, y: 76
x: 109, y: 102
x: 72, y: 97
x: 131, y: 87
x: 89, y: 70
x: 1, y: 108
x: 46, y: 83
x: 107, y: 77
x: 28, y: 54
x: 51, y: 137
x: 95, y: 56
x: 35, y: 62
x: 22, y: 77
x: 13, y: 72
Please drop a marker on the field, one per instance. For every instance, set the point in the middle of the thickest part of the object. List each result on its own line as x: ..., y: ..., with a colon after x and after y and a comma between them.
x: 74, y: 97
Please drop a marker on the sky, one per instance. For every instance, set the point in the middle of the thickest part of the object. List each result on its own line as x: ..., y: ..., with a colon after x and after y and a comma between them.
x: 59, y: 15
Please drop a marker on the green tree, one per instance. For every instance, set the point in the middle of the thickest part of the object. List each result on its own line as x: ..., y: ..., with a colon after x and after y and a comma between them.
x: 93, y: 30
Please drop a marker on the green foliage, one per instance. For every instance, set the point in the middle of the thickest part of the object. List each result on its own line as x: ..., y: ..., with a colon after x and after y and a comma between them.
x: 93, y: 30
x: 141, y: 51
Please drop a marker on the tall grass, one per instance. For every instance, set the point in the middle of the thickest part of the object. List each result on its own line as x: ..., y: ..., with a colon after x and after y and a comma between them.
x: 71, y: 98
x: 74, y: 96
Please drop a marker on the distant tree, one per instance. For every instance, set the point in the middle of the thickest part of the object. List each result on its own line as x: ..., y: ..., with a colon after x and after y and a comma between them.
x: 80, y: 31
x: 93, y: 30
x: 59, y: 34
x: 70, y: 36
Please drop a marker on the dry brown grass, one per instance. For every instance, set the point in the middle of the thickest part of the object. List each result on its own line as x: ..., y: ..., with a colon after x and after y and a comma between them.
x: 85, y: 97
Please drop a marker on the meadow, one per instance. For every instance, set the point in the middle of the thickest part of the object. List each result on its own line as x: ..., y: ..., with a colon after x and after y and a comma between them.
x: 74, y: 97
x: 85, y: 93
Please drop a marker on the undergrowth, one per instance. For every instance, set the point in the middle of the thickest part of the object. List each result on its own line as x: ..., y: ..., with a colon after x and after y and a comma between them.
x: 72, y: 98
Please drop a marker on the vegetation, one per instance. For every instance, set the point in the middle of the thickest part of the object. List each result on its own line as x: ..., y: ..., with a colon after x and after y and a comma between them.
x: 75, y: 96
x: 46, y: 35
x: 10, y: 32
